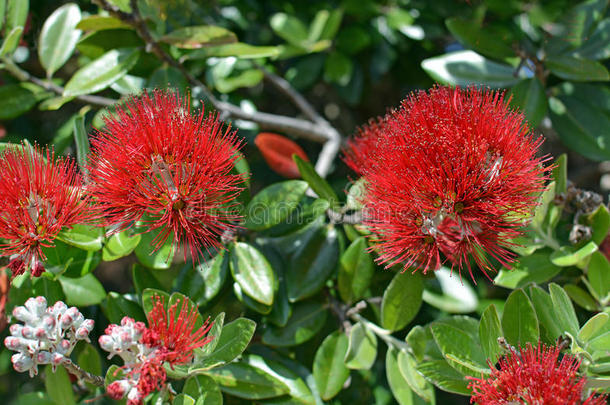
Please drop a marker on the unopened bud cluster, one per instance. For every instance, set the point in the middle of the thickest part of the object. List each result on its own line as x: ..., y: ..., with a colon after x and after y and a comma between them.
x: 48, y: 334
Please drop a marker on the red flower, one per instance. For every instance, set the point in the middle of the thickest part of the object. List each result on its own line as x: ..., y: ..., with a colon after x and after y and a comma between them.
x: 38, y: 197
x: 277, y: 151
x: 535, y: 376
x: 451, y: 174
x: 158, y: 163
x: 176, y: 332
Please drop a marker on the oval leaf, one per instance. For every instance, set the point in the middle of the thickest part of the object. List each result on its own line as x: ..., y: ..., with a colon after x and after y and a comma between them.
x: 253, y: 273
x: 401, y: 301
x: 58, y: 37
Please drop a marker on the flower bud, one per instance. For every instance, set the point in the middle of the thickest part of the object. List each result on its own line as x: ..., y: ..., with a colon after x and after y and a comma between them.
x: 36, y: 305
x: 118, y: 389
x: 21, y: 362
x: 44, y: 357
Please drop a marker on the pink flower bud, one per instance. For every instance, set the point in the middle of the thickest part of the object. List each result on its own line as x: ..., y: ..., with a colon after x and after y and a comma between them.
x: 118, y: 389
x: 22, y: 314
x: 21, y: 362
x: 44, y: 358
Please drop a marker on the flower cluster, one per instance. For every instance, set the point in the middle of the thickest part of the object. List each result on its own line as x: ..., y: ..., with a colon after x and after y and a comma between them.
x: 39, y: 196
x: 170, y: 338
x: 47, y: 335
x: 450, y: 175
x: 157, y: 163
x: 534, y: 376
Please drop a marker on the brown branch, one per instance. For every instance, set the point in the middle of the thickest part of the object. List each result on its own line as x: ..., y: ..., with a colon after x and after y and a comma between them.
x: 81, y: 374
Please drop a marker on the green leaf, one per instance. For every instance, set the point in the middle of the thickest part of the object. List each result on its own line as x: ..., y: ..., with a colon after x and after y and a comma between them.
x: 356, y: 270
x: 58, y: 386
x: 274, y: 204
x: 205, y: 281
x: 245, y: 381
x: 233, y: 340
x: 199, y: 36
x: 317, y: 183
x: 338, y: 68
x: 11, y: 41
x: 113, y: 373
x: 102, y: 72
x: 485, y: 41
x: 560, y: 174
x: 572, y: 68
x: 408, y: 369
x: 82, y: 236
x: 601, y: 342
x: 401, y: 300
x: 160, y: 259
x: 117, y: 306
x: 83, y: 291
x: 15, y: 100
x: 519, y: 321
x: 329, y: 369
x: 246, y: 78
x: 592, y: 326
x: 564, y: 310
x: 253, y: 273
x: 33, y: 398
x: 183, y: 399
x: 598, y: 274
x: 458, y: 295
x: 535, y: 268
x: 570, y: 256
x: 314, y: 261
x: 50, y: 289
x: 464, y: 68
x: 83, y: 147
x: 549, y: 328
x: 325, y: 25
x: 530, y: 98
x: 120, y: 245
x: 289, y: 28
x: 237, y: 49
x: 58, y: 37
x: 100, y: 23
x: 581, y: 297
x: 490, y: 330
x: 214, y: 332
x: 362, y: 348
x: 458, y: 340
x: 306, y: 321
x: 204, y: 388
x: 597, y: 45
x: 250, y: 302
x: 396, y: 381
x: 446, y: 378
x: 69, y: 260
x: 15, y: 17
x: 89, y: 359
x: 599, y: 221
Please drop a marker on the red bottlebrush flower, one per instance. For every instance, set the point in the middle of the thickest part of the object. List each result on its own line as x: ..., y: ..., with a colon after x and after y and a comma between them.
x: 5, y: 285
x: 451, y: 174
x: 175, y: 330
x: 159, y: 163
x: 38, y: 197
x: 535, y: 376
x: 277, y: 151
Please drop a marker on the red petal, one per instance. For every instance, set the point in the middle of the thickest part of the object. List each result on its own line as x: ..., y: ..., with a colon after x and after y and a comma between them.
x: 277, y: 150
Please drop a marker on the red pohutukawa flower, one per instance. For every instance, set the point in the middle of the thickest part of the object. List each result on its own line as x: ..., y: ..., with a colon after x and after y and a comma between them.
x: 277, y: 150
x: 451, y: 174
x: 159, y: 163
x: 171, y: 337
x: 535, y: 376
x: 39, y: 195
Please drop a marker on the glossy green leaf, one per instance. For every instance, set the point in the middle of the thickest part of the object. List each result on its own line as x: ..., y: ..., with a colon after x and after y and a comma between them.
x: 535, y: 268
x: 100, y: 22
x: 214, y: 333
x: 148, y: 254
x: 597, y: 45
x: 69, y: 260
x: 362, y: 348
x: 250, y: 302
x: 545, y: 312
x: 204, y: 388
x: 598, y: 275
x: 317, y: 183
x: 199, y: 36
x: 401, y: 300
x: 117, y: 306
x: 289, y: 28
x: 464, y: 68
x: 572, y: 68
x: 306, y: 321
x: 83, y: 291
x: 570, y: 256
x: 183, y: 399
x: 203, y: 282
x: 253, y: 273
x: 490, y: 330
x: 314, y: 261
x: 85, y: 237
x: 232, y: 341
x: 33, y: 398
x: 564, y: 310
x: 338, y: 68
x: 238, y: 49
x: 120, y: 245
x: 356, y: 270
x: 601, y: 342
x: 530, y: 98
x: 11, y: 41
x: 446, y: 378
x: 519, y: 321
x: 592, y: 326
x: 482, y: 40
x: 58, y: 386
x: 408, y: 369
x: 274, y: 204
x: 329, y: 369
x: 102, y: 72
x: 246, y: 78
x: 325, y: 25
x: 15, y: 16
x: 58, y: 37
x: 15, y: 100
x: 245, y: 381
x: 398, y: 384
x: 50, y: 289
x: 458, y: 296
x: 89, y: 359
x: 581, y: 297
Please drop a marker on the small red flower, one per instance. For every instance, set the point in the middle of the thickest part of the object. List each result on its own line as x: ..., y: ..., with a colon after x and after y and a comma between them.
x: 175, y: 330
x: 39, y: 195
x: 451, y: 174
x: 277, y: 151
x: 535, y: 376
x: 157, y: 162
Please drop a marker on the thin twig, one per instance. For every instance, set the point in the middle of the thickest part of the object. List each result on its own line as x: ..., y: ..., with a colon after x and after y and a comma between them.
x: 81, y: 374
x: 344, y: 218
